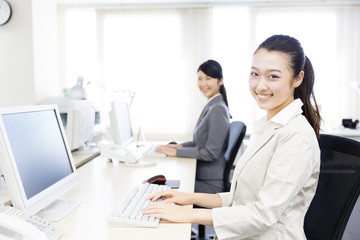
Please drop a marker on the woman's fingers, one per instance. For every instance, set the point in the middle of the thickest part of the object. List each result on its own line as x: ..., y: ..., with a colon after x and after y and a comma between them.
x: 164, y: 194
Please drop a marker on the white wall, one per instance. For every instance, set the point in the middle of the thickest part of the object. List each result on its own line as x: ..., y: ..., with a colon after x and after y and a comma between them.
x: 45, y: 47
x: 28, y: 59
x: 16, y: 56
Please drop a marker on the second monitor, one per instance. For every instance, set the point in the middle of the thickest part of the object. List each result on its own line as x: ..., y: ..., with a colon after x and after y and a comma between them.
x: 120, y: 123
x: 80, y: 123
x: 124, y: 147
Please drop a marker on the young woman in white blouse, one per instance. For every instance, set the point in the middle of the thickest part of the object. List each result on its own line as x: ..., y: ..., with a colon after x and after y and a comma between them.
x: 276, y: 177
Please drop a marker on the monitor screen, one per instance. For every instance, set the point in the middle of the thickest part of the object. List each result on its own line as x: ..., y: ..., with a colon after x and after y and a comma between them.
x: 120, y: 123
x: 35, y: 138
x: 35, y: 157
x: 80, y: 123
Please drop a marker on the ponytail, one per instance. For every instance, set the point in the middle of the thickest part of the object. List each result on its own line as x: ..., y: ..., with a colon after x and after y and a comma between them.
x: 223, y: 93
x: 306, y: 94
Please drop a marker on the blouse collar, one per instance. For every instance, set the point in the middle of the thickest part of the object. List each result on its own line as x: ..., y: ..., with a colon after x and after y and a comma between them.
x: 213, y: 97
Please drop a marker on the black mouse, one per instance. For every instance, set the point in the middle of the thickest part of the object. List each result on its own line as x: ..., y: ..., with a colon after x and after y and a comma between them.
x: 173, y: 143
x: 157, y: 179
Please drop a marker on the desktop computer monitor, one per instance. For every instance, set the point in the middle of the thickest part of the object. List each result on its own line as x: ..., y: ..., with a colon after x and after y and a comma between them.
x: 122, y: 135
x: 80, y: 123
x: 36, y: 160
x: 120, y: 123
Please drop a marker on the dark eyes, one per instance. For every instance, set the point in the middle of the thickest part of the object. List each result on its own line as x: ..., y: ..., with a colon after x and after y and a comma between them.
x: 207, y: 78
x: 273, y: 76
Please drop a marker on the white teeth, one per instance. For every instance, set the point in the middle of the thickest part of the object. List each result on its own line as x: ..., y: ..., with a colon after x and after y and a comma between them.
x: 263, y: 96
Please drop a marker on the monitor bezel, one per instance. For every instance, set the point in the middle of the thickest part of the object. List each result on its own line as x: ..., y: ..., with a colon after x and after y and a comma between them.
x: 76, y: 111
x: 11, y: 172
x: 115, y: 122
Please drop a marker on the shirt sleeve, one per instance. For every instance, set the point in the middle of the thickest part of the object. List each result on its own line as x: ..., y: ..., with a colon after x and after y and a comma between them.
x: 218, y: 125
x: 225, y: 199
x: 292, y: 165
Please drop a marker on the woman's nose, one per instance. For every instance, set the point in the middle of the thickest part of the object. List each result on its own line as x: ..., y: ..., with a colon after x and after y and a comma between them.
x: 262, y: 85
x: 202, y: 83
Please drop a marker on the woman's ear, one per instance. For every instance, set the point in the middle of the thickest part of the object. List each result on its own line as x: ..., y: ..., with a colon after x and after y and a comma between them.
x: 299, y: 79
x: 221, y: 82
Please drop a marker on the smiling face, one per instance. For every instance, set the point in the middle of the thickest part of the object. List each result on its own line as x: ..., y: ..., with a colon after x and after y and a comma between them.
x: 208, y: 86
x: 271, y: 81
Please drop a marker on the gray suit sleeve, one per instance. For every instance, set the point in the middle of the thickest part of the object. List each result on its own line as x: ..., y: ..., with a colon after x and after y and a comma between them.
x: 188, y: 144
x: 218, y: 128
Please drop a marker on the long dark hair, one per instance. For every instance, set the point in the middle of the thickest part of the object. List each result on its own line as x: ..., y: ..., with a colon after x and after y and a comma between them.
x: 298, y: 62
x: 213, y: 69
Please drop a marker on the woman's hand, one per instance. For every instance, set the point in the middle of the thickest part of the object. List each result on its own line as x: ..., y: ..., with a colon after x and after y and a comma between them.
x: 172, y: 196
x: 169, y: 150
x: 174, y: 146
x: 175, y: 213
x: 169, y: 212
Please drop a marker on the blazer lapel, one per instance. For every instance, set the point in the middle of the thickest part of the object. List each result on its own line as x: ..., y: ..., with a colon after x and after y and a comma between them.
x: 203, y: 113
x: 254, y: 148
x: 247, y: 155
x: 206, y: 108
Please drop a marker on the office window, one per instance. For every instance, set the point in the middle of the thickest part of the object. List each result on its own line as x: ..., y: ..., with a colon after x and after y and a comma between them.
x: 155, y: 53
x: 143, y: 54
x: 79, y: 53
x: 231, y: 48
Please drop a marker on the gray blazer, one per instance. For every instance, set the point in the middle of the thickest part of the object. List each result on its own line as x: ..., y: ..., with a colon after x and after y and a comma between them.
x: 210, y: 140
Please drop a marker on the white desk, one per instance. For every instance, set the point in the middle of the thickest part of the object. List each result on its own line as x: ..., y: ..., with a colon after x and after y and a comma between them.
x: 84, y: 156
x: 345, y: 132
x: 102, y: 185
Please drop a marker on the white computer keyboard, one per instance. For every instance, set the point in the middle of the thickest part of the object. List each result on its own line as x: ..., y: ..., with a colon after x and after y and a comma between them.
x: 127, y: 213
x: 150, y: 152
x: 50, y: 229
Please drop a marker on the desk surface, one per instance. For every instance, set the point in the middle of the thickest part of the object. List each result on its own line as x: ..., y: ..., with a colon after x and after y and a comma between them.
x: 83, y: 156
x: 102, y: 184
x: 345, y: 132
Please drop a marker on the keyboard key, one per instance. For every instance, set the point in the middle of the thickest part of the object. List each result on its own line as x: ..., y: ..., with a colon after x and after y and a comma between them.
x: 128, y: 212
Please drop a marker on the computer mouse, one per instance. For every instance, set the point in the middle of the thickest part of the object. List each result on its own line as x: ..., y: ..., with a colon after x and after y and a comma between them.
x: 172, y: 142
x: 157, y: 179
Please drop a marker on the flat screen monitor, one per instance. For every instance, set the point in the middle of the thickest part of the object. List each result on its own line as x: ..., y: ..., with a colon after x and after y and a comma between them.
x: 36, y: 160
x: 80, y: 123
x: 120, y: 124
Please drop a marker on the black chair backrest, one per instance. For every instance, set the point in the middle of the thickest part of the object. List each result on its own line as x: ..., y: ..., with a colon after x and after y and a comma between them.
x: 338, y: 188
x: 236, y: 135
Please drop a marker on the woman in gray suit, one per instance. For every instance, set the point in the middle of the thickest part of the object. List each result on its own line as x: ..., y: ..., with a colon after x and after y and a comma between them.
x: 210, y: 135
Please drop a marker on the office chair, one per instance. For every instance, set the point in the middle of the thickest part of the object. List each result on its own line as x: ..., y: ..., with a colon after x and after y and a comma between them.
x: 338, y: 188
x: 236, y: 135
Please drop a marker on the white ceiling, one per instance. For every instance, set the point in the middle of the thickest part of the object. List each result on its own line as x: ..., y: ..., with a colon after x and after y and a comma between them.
x: 203, y: 2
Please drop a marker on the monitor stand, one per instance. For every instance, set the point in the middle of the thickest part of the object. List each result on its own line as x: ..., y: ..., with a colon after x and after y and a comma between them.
x: 58, y: 209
